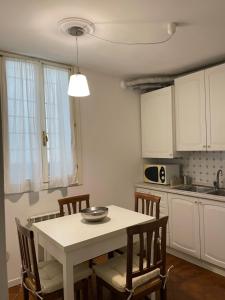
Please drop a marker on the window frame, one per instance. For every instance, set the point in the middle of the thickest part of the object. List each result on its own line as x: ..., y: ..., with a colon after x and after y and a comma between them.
x: 75, y: 110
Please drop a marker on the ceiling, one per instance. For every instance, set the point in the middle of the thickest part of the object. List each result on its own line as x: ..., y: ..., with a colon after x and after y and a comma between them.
x: 30, y: 27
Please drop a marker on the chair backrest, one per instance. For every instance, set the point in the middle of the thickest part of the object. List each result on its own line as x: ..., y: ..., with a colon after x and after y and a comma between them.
x: 152, y: 243
x: 147, y: 204
x: 73, y: 204
x: 28, y: 256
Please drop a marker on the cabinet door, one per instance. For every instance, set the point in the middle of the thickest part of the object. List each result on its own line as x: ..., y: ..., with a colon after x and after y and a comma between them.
x: 184, y: 224
x: 215, y: 96
x: 157, y: 123
x: 190, y: 112
x: 212, y: 224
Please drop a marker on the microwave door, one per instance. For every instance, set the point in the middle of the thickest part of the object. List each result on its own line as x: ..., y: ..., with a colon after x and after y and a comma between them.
x: 151, y: 174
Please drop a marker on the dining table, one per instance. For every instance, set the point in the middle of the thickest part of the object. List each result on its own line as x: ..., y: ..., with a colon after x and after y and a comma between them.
x: 71, y: 240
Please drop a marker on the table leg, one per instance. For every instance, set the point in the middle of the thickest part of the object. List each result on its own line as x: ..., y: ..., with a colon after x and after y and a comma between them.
x: 68, y: 282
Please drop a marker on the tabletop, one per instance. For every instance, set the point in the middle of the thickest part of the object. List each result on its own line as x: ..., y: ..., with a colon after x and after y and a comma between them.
x: 72, y: 231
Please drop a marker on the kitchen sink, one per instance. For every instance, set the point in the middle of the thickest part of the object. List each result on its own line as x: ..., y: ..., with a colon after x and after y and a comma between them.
x: 219, y: 192
x: 195, y: 188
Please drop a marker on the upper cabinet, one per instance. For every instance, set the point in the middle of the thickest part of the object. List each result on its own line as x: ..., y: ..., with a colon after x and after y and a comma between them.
x: 190, y: 112
x: 215, y: 107
x: 157, y: 124
x: 200, y: 107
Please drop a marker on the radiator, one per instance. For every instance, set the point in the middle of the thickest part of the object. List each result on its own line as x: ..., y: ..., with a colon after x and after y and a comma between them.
x: 43, y: 217
x: 42, y: 254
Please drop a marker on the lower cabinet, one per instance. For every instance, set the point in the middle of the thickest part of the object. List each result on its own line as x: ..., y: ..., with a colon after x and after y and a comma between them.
x: 184, y: 224
x: 196, y: 226
x: 212, y: 225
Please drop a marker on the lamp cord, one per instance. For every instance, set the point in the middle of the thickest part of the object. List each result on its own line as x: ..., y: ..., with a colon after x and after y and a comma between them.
x: 77, y: 54
x: 130, y: 43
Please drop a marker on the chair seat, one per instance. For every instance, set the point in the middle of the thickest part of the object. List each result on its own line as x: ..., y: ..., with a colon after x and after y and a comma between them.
x: 114, y: 272
x: 51, y: 275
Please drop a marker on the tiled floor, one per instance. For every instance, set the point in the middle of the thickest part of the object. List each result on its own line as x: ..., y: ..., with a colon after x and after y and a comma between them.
x: 186, y: 282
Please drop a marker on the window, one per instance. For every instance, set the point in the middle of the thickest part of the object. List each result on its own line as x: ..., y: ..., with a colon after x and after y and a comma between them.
x: 38, y: 127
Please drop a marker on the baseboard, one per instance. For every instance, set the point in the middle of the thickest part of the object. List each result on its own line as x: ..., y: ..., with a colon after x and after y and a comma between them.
x: 196, y: 261
x: 14, y: 282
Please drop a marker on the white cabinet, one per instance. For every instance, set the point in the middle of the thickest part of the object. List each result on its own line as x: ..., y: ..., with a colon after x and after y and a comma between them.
x: 157, y: 124
x: 199, y: 110
x: 212, y: 224
x: 215, y: 103
x: 190, y: 112
x: 184, y: 224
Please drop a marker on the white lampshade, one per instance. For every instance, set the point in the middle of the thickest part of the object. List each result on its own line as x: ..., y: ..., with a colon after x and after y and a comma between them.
x: 78, y: 86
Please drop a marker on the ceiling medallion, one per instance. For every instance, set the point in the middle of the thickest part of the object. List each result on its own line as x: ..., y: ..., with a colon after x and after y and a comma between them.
x: 85, y: 26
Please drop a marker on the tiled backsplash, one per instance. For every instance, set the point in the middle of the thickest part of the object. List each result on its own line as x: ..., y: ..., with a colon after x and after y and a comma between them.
x: 202, y: 166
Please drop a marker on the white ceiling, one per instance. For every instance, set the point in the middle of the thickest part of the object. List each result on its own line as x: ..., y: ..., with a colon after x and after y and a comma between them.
x: 30, y: 27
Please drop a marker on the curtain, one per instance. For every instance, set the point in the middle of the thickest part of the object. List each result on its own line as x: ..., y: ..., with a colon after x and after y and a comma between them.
x: 21, y: 125
x: 59, y: 127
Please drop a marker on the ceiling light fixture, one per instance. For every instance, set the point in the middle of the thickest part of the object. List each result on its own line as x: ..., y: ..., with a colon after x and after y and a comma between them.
x: 76, y: 27
x: 78, y: 84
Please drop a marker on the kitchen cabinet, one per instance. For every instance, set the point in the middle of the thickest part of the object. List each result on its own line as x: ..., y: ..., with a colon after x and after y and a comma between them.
x: 199, y: 110
x: 215, y: 104
x: 190, y: 112
x: 196, y: 225
x: 184, y: 224
x: 212, y: 224
x: 157, y: 124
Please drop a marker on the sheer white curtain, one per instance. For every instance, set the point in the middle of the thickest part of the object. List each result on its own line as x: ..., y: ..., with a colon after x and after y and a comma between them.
x: 60, y: 128
x: 21, y: 126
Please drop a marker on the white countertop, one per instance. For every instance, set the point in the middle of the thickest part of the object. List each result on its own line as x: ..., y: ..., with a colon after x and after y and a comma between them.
x: 169, y: 189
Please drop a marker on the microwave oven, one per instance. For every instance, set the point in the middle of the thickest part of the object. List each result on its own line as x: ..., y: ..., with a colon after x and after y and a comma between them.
x: 160, y: 174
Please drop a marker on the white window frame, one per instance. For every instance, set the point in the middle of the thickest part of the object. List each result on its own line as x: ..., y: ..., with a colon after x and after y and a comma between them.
x: 75, y: 111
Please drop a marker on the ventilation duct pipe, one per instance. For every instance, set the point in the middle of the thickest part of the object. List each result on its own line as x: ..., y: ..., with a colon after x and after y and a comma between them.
x: 149, y: 83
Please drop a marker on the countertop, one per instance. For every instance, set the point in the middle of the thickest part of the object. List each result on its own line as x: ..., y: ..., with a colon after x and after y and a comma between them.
x: 169, y: 189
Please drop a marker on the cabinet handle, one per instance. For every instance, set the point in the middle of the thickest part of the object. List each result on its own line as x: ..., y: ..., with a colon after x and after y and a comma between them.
x: 208, y: 146
x: 204, y: 146
x: 196, y: 202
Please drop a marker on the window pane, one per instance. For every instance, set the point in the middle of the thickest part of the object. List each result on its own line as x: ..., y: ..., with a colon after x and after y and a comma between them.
x: 61, y: 163
x: 23, y: 130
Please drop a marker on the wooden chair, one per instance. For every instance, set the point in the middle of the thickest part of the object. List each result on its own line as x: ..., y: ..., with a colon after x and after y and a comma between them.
x: 45, y: 280
x: 134, y: 277
x: 147, y: 204
x: 73, y: 204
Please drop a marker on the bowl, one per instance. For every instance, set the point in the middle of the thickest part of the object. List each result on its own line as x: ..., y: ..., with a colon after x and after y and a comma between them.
x: 94, y: 214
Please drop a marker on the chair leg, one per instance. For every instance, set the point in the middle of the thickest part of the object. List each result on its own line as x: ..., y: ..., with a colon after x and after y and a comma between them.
x: 163, y: 294
x: 78, y: 295
x: 85, y: 289
x: 99, y: 289
x: 25, y: 294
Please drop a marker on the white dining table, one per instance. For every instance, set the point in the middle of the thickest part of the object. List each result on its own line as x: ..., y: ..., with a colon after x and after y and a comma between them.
x: 71, y: 240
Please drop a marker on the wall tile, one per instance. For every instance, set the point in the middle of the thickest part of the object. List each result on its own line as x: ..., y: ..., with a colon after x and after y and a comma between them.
x: 202, y: 166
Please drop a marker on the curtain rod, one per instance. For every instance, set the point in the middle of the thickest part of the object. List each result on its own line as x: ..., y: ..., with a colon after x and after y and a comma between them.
x: 16, y: 55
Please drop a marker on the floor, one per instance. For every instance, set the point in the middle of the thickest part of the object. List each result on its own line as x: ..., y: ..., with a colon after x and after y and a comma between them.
x: 186, y: 282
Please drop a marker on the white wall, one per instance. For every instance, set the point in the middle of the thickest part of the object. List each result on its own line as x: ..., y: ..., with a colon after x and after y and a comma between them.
x: 110, y: 131
x: 3, y: 272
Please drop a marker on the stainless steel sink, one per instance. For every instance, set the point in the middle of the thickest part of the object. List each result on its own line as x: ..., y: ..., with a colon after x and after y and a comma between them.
x: 194, y: 188
x: 219, y: 192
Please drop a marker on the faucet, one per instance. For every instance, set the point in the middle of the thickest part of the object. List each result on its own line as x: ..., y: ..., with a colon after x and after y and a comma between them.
x: 217, y: 182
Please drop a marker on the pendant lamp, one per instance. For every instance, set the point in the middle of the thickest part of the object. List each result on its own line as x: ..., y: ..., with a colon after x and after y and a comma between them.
x: 78, y: 84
